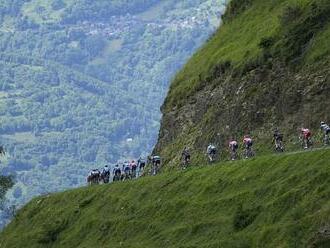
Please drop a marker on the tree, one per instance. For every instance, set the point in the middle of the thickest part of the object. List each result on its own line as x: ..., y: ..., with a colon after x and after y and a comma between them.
x: 6, y: 182
x: 2, y: 151
x: 58, y: 4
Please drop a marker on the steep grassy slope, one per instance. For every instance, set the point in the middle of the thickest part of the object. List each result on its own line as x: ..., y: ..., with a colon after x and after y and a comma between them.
x: 267, y: 66
x: 272, y: 201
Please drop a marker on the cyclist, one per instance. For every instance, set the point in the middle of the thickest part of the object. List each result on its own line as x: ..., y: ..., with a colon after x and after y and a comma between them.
x: 141, y: 163
x: 325, y: 128
x: 133, y: 168
x: 211, y: 152
x: 95, y: 175
x: 233, y: 147
x: 155, y: 164
x: 105, y: 175
x: 186, y: 157
x: 278, y: 140
x: 116, y: 173
x: 127, y: 171
x: 306, y: 137
x: 247, y: 141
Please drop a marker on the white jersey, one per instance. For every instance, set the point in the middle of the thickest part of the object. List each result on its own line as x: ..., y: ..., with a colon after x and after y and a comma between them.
x: 210, y: 148
x: 325, y: 127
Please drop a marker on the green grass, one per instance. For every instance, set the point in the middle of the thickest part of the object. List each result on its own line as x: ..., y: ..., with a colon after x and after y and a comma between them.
x: 271, y: 201
x: 320, y: 49
x: 238, y: 42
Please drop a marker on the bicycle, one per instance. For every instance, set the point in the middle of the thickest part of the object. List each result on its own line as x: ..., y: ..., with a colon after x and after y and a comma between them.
x: 306, y: 143
x: 185, y: 162
x: 279, y: 146
x: 233, y: 154
x: 248, y: 153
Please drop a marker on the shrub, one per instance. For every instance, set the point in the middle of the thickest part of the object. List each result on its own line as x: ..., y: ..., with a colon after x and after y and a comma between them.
x: 266, y: 42
x: 290, y: 14
x: 299, y: 30
x: 235, y: 8
x: 244, y: 217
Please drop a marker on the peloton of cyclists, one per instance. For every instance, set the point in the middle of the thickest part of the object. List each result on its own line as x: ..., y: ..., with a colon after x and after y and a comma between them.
x: 129, y: 169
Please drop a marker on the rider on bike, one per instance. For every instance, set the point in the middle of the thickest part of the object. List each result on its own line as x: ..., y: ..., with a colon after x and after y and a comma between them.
x: 96, y: 172
x: 155, y: 164
x: 185, y: 156
x: 211, y: 152
x: 306, y: 137
x: 95, y: 175
x: 325, y: 128
x: 106, y: 170
x: 278, y: 140
x: 105, y: 175
x: 247, y: 141
x: 127, y: 170
x: 117, y: 171
x: 233, y: 147
x: 141, y: 163
x: 133, y: 168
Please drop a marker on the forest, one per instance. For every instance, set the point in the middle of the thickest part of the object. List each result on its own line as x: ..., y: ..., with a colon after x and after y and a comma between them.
x: 81, y: 82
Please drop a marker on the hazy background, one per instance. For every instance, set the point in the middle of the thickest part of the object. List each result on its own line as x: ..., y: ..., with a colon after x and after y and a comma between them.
x: 81, y: 82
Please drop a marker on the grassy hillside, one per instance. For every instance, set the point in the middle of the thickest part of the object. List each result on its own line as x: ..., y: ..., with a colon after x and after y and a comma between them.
x: 266, y: 66
x: 287, y: 29
x: 271, y: 201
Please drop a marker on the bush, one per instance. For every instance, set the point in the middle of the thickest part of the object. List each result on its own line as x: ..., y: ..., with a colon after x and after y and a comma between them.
x: 244, y: 217
x: 51, y: 231
x: 266, y: 42
x: 235, y: 8
x: 6, y: 182
x: 299, y: 30
x: 290, y: 14
x: 58, y: 4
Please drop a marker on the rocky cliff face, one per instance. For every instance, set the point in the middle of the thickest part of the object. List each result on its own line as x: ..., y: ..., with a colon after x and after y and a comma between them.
x: 250, y: 78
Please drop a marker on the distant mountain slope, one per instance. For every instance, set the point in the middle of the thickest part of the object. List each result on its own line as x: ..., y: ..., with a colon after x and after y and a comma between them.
x: 267, y: 66
x: 271, y: 201
x: 81, y: 82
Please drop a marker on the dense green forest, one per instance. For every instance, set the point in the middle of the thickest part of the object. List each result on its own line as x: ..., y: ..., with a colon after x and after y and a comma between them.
x: 81, y: 82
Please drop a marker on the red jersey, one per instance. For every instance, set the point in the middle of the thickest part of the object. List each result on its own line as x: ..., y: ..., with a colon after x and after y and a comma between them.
x: 306, y: 132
